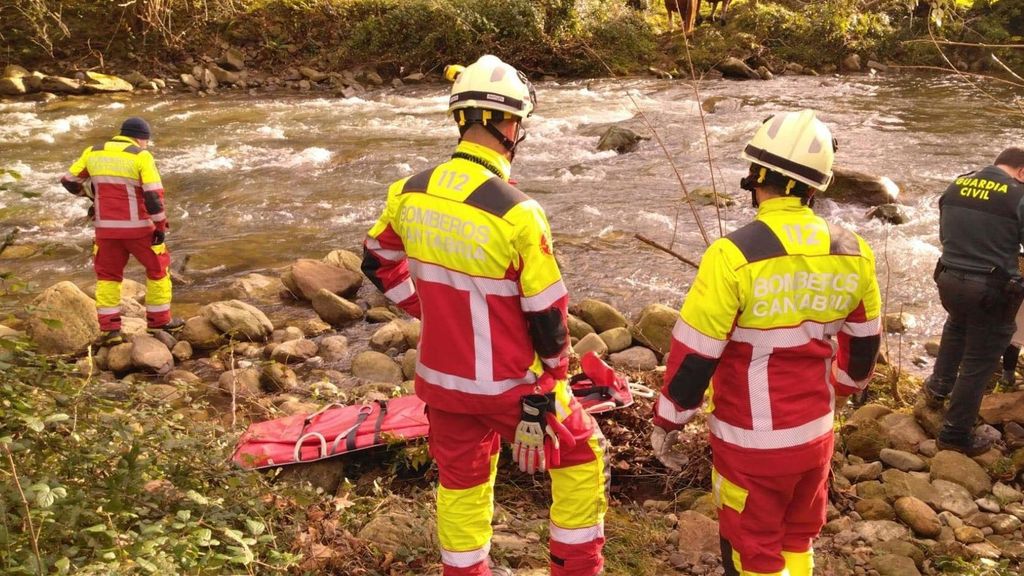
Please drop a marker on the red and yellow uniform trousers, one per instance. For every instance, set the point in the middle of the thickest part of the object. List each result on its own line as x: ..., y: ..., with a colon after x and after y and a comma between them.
x: 471, y: 255
x: 782, y: 317
x: 128, y: 205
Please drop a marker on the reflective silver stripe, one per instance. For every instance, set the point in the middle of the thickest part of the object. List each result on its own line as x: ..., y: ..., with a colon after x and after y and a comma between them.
x: 846, y: 380
x: 393, y: 255
x: 771, y: 439
x: 470, y: 386
x: 105, y: 311
x: 152, y: 186
x: 461, y: 281
x: 115, y: 180
x: 552, y: 362
x: 667, y: 410
x: 133, y: 204
x: 697, y: 340
x: 158, y: 307
x: 123, y: 223
x: 790, y: 337
x: 576, y: 535
x: 401, y: 292
x: 73, y: 178
x: 465, y: 559
x: 158, y: 217
x: 759, y: 390
x: 480, y: 315
x: 544, y: 299
x: 861, y: 329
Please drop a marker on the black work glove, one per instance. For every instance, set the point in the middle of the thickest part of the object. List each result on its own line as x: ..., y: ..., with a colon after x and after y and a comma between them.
x: 158, y: 237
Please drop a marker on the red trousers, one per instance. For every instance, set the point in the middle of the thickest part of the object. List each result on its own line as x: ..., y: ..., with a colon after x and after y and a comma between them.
x: 768, y: 522
x: 466, y: 447
x: 110, y: 256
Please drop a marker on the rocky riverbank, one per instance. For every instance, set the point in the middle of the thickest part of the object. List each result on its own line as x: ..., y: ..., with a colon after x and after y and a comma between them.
x: 319, y: 333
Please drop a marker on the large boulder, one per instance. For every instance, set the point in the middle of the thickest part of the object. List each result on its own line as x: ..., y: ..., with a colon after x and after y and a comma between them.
x: 60, y: 85
x: 233, y: 60
x: 96, y: 82
x: 151, y: 355
x: 578, y: 328
x: 224, y: 76
x: 960, y: 469
x: 119, y: 359
x: 600, y: 315
x: 257, y: 288
x: 622, y: 140
x: 15, y: 71
x: 635, y: 358
x: 306, y: 277
x: 63, y: 320
x: 861, y: 188
x: 732, y: 67
x: 654, y: 328
x: 698, y: 535
x: 376, y: 367
x: 345, y: 259
x: 12, y: 87
x: 238, y: 320
x: 865, y: 438
x: 1002, y: 408
x: 334, y: 309
x: 617, y: 339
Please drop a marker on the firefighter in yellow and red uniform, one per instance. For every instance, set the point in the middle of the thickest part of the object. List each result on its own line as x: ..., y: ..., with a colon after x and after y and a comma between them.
x: 781, y: 321
x: 464, y: 250
x: 121, y: 178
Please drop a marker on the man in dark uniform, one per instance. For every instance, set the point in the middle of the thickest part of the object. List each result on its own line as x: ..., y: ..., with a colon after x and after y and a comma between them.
x: 981, y: 227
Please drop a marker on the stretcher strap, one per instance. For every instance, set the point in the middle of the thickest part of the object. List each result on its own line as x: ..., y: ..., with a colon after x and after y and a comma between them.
x: 349, y: 436
x: 380, y: 421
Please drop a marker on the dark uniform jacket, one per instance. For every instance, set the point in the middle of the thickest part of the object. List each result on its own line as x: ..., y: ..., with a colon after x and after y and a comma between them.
x: 981, y: 222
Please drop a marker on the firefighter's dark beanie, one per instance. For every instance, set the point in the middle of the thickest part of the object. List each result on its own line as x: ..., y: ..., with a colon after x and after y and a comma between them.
x: 135, y: 127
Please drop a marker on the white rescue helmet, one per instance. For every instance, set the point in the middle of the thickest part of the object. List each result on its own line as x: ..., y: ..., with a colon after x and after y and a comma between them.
x: 489, y: 84
x: 796, y: 145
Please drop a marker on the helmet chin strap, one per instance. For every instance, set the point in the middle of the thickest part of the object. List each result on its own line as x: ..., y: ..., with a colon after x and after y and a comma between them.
x: 509, y: 145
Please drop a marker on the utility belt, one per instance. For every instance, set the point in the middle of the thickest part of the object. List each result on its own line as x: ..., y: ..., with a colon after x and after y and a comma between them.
x: 1010, y: 288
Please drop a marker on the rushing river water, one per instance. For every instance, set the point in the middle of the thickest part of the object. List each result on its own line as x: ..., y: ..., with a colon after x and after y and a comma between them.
x: 256, y: 182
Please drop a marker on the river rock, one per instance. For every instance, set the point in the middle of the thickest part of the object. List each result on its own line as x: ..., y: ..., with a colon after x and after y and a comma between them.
x: 399, y: 529
x: 591, y: 343
x: 204, y: 75
x: 60, y: 85
x: 257, y: 288
x: 119, y: 359
x: 898, y: 484
x: 987, y: 505
x: 875, y: 65
x: 869, y: 412
x: 243, y: 382
x: 190, y: 81
x: 698, y: 535
x: 277, y: 377
x: 890, y: 213
x: 902, y: 431
x: 12, y: 87
x: 1007, y: 494
x: 233, y: 60
x: 930, y: 419
x: 412, y: 330
x: 902, y: 460
x: 62, y: 320
x: 875, y: 509
x: 345, y: 259
x: 721, y: 104
x: 306, y: 277
x: 409, y: 363
x: 851, y: 63
x: 861, y: 472
x: 334, y: 309
x: 617, y: 339
x: 136, y: 78
x: 954, y: 498
x: 960, y: 469
x: 899, y: 322
x: 708, y: 196
x: 969, y: 535
x: 654, y: 328
x: 333, y: 348
x: 376, y: 367
x: 238, y: 319
x: 15, y: 71
x: 150, y: 354
x: 622, y: 140
x: 132, y: 326
x: 96, y: 82
x: 875, y: 531
x: 635, y: 358
x: 865, y: 439
x: 1002, y: 408
x: 181, y: 351
x: 853, y: 186
x: 201, y: 333
x: 732, y: 67
x: 389, y: 336
x: 919, y: 516
x: 894, y: 565
x: 600, y: 315
x: 578, y: 328
x: 223, y: 76
x: 312, y: 74
x: 1005, y: 524
x: 294, y: 351
x: 380, y: 315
